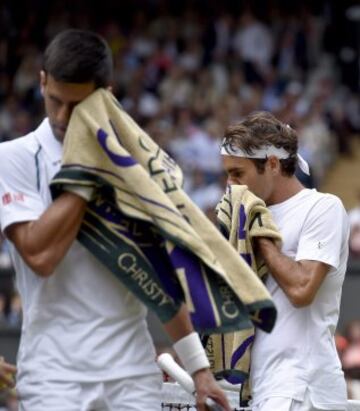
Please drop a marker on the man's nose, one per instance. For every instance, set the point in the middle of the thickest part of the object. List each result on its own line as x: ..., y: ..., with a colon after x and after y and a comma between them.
x: 63, y: 115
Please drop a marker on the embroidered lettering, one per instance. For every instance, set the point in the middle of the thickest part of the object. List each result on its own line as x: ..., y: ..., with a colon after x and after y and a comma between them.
x: 128, y: 263
x: 6, y: 199
x: 228, y: 306
x: 19, y: 197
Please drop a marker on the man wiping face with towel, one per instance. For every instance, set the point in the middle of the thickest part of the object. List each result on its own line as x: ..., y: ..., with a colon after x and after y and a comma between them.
x: 296, y: 367
x: 85, y: 343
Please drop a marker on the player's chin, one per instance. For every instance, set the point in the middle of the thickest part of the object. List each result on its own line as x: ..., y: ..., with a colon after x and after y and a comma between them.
x: 59, y: 132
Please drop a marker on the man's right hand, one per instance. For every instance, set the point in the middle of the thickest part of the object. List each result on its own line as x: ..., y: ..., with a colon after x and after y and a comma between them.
x: 207, y: 387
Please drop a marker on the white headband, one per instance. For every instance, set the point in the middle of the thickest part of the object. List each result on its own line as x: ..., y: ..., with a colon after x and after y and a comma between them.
x: 264, y: 152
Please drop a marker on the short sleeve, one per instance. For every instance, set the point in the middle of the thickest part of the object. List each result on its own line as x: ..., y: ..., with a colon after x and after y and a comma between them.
x: 325, y: 229
x: 20, y: 199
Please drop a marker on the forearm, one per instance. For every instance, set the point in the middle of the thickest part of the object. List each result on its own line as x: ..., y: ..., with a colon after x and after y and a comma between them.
x: 180, y: 325
x: 291, y: 276
x: 43, y: 243
x: 192, y: 355
x: 187, y: 343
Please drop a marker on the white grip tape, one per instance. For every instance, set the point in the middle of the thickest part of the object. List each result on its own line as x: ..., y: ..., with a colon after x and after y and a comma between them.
x: 167, y: 363
x: 191, y: 353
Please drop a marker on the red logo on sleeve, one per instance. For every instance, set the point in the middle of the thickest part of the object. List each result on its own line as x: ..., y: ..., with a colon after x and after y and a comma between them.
x: 19, y: 197
x: 7, y: 198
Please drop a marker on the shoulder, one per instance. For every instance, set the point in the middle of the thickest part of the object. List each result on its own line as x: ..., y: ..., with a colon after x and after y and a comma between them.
x: 328, y: 211
x: 324, y: 200
x: 328, y: 200
x: 21, y: 146
x: 19, y: 153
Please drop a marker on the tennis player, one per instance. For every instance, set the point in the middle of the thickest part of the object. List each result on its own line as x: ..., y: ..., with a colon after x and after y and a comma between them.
x: 85, y: 343
x: 296, y: 366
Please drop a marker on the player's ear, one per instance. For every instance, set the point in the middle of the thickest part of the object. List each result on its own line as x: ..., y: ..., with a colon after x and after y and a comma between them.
x: 43, y: 79
x: 274, y: 164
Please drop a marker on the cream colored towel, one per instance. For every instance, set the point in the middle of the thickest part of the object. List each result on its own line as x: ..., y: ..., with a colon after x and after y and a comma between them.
x: 147, y: 231
x: 242, y: 217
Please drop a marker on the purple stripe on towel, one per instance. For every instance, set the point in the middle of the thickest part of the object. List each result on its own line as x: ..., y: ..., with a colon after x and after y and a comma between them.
x: 239, y: 352
x: 242, y: 221
x: 203, y: 316
x: 122, y: 161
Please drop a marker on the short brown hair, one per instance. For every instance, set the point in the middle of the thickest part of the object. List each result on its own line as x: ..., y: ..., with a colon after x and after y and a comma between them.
x: 79, y: 56
x: 258, y: 130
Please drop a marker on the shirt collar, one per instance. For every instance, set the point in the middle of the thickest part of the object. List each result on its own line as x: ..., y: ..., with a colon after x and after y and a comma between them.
x: 51, y: 146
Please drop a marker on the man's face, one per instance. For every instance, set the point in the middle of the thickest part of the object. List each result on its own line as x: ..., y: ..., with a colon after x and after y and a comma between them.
x: 242, y: 171
x: 60, y: 99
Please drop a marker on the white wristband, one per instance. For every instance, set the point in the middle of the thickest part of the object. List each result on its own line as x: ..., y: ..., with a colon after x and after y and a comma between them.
x: 85, y: 192
x: 191, y: 353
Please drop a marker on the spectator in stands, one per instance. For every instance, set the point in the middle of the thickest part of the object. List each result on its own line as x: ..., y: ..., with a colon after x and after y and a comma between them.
x: 245, y: 64
x: 7, y: 373
x: 5, y: 262
x: 3, y: 319
x: 14, y: 317
x: 341, y: 344
x: 253, y: 44
x: 351, y: 359
x: 351, y: 354
x: 354, y: 218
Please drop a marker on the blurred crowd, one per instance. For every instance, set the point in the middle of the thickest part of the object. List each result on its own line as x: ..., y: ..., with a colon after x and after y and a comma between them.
x: 354, y: 218
x: 10, y: 311
x: 348, y: 346
x: 186, y: 70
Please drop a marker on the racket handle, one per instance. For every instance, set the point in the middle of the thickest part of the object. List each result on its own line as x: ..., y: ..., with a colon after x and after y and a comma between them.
x: 167, y: 363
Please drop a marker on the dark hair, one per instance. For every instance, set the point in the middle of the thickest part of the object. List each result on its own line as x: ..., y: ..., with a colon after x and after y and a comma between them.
x: 258, y: 130
x: 79, y: 56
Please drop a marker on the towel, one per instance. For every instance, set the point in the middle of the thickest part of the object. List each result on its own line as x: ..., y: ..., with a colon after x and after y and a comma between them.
x: 145, y: 229
x: 242, y: 217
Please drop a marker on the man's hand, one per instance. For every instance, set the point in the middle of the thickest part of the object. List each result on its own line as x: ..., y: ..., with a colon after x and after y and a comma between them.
x: 7, y: 372
x: 266, y: 245
x: 207, y: 387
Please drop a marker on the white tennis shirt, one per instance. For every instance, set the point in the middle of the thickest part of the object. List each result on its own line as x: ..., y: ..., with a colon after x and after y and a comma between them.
x: 79, y: 324
x: 300, y: 353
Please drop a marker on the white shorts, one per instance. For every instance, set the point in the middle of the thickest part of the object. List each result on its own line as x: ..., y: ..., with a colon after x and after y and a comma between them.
x: 286, y: 404
x: 132, y: 394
